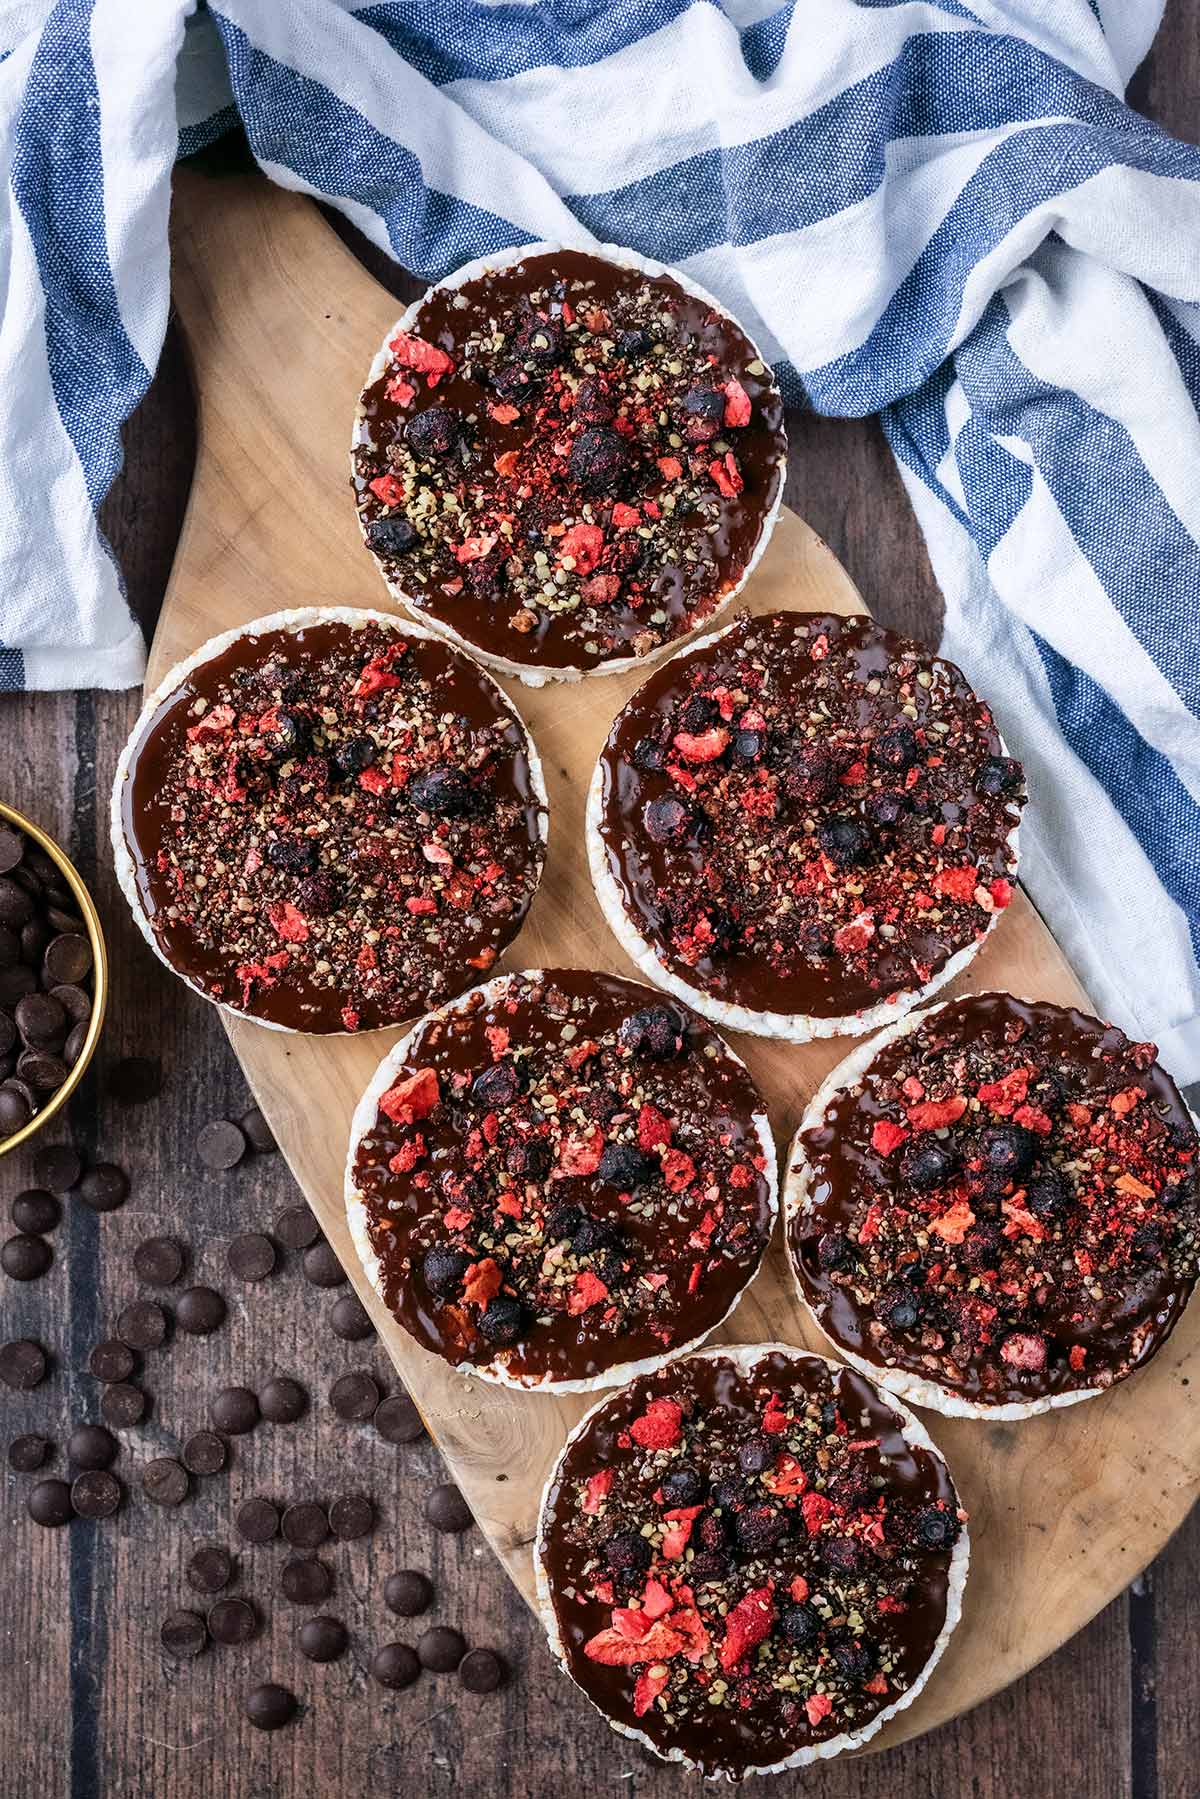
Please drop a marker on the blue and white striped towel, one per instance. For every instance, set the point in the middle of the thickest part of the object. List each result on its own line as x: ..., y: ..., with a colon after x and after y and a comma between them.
x: 941, y: 211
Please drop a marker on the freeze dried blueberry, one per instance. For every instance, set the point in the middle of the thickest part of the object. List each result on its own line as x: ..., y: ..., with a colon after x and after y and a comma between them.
x: 626, y: 1168
x: 983, y: 1246
x: 594, y: 1234
x: 649, y: 756
x: 846, y: 840
x: 599, y: 460
x: 513, y: 385
x: 288, y: 736
x: 1146, y: 1244
x: 443, y: 792
x: 503, y: 1321
x: 433, y: 433
x: 896, y: 749
x: 999, y: 774
x: 390, y: 536
x: 856, y: 1659
x: 319, y: 895
x: 835, y: 1253
x: 747, y: 746
x: 539, y: 341
x: 759, y: 1529
x: 496, y: 1087
x: 852, y: 1489
x: 443, y: 1269
x: 666, y: 820
x: 708, y: 1564
x: 633, y: 345
x: 684, y: 1485
x: 756, y: 1454
x: 627, y: 1552
x: 935, y: 1528
x: 528, y: 1158
x: 352, y: 755
x: 712, y: 1530
x: 729, y: 1490
x: 897, y: 1308
x: 929, y: 1162
x: 1047, y: 1196
x: 294, y: 855
x: 698, y: 713
x: 885, y: 808
x: 842, y: 1555
x: 593, y: 405
x: 800, y: 1625
x: 704, y: 414
x: 810, y: 775
x: 655, y: 1033
x: 1007, y: 1149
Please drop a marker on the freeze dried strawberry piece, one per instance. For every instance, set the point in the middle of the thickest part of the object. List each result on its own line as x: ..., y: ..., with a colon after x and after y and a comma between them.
x: 788, y: 1477
x: 412, y: 1098
x: 408, y: 1155
x: 400, y: 391
x: 656, y: 1601
x: 374, y: 780
x: 816, y: 1511
x: 818, y: 1707
x: 678, y: 1170
x: 289, y: 923
x: 648, y: 1686
x: 703, y: 746
x: 456, y: 1219
x: 1001, y: 892
x: 954, y: 1223
x: 936, y: 1114
x: 654, y: 1127
x: 504, y: 415
x: 585, y: 544
x: 737, y: 404
x: 747, y: 1625
x: 387, y: 490
x: 774, y: 1418
x: 599, y: 1486
x: 957, y: 883
x: 662, y: 1640
x: 670, y: 468
x: 660, y: 1425
x: 482, y: 1282
x: 414, y: 353
x: 588, y: 1290
x: 887, y: 1136
x: 675, y: 1541
x: 726, y: 476
x: 1032, y: 1118
x: 799, y: 1589
x: 214, y: 724
x: 1025, y: 1350
x: 625, y: 518
x: 580, y: 1155
x: 1003, y: 1096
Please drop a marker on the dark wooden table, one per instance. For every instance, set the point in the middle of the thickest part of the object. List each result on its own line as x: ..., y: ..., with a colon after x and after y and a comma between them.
x: 91, y: 1706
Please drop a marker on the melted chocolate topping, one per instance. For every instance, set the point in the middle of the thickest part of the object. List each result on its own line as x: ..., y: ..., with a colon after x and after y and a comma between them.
x: 1006, y: 1203
x: 333, y: 828
x: 809, y: 815
x: 565, y: 1176
x: 572, y: 462
x: 792, y: 1574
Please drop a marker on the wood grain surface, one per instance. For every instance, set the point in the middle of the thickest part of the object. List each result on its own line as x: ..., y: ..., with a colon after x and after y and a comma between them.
x: 91, y: 1707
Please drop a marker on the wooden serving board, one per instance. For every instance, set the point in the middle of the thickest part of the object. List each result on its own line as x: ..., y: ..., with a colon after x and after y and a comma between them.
x: 281, y: 323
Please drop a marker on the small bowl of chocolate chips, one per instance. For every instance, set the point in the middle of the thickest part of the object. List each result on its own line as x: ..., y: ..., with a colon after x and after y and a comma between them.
x: 53, y: 978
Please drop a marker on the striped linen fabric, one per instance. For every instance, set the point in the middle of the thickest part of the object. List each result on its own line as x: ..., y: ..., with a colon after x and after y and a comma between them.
x: 942, y: 212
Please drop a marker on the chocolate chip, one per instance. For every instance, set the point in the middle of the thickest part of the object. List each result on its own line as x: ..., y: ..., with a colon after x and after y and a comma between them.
x: 23, y: 1364
x: 104, y: 1187
x: 397, y: 1419
x: 123, y: 1405
x: 257, y: 1520
x: 41, y: 1071
x: 305, y: 1525
x: 200, y: 1311
x: 221, y: 1145
x: 183, y: 1634
x: 16, y: 907
x: 12, y: 849
x: 395, y: 1666
x: 210, y: 1568
x: 57, y: 1167
x: 143, y: 1325
x: 440, y: 1649
x: 351, y: 1516
x: 323, y: 1639
x: 111, y: 1360
x: 354, y: 1397
x: 165, y: 1481
x: 350, y: 1320
x: 481, y: 1671
x: 297, y: 1228
x: 73, y: 1047
x: 67, y: 958
x: 232, y: 1621
x: 35, y: 1211
x: 134, y: 1080
x: 42, y: 1022
x: 408, y: 1593
x: 96, y: 1494
x: 158, y: 1260
x: 251, y: 1257
x: 305, y: 1580
x: 235, y: 1411
x: 91, y: 1446
x: 204, y: 1453
x: 27, y: 1454
x: 49, y: 1503
x: 447, y: 1510
x: 26, y: 1258
x: 283, y: 1400
x: 15, y: 1108
x: 270, y: 1707
x: 322, y: 1267
x: 257, y: 1132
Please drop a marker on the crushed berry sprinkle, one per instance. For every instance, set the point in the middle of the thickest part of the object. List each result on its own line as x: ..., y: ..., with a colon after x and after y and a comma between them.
x: 743, y: 1607
x: 567, y: 461
x: 1005, y: 1203
x: 334, y: 827
x: 794, y: 818
x: 564, y: 1175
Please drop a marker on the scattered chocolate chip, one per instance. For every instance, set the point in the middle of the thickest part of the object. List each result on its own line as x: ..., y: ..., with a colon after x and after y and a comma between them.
x: 164, y: 1480
x: 104, y: 1187
x: 257, y: 1520
x: 200, y: 1311
x: 111, y: 1360
x: 57, y: 1167
x: 296, y: 1228
x: 49, y: 1503
x: 305, y: 1580
x: 235, y: 1411
x: 91, y: 1446
x: 27, y: 1454
x: 354, y: 1397
x: 305, y: 1525
x: 123, y: 1405
x: 232, y: 1621
x: 322, y: 1267
x: 210, y: 1568
x: 408, y: 1592
x: 143, y: 1325
x: 323, y: 1639
x: 257, y: 1132
x: 96, y: 1494
x: 251, y: 1257
x: 441, y: 1649
x: 395, y: 1666
x: 134, y: 1080
x: 158, y: 1260
x: 35, y: 1211
x: 283, y: 1400
x: 270, y: 1707
x: 447, y: 1510
x: 481, y: 1671
x: 350, y: 1320
x: 23, y: 1364
x: 397, y: 1419
x: 204, y: 1453
x: 26, y: 1258
x: 351, y: 1516
x: 221, y: 1145
x: 183, y: 1634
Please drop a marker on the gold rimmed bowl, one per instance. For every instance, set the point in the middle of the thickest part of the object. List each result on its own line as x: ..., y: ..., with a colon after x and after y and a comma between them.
x: 87, y: 911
